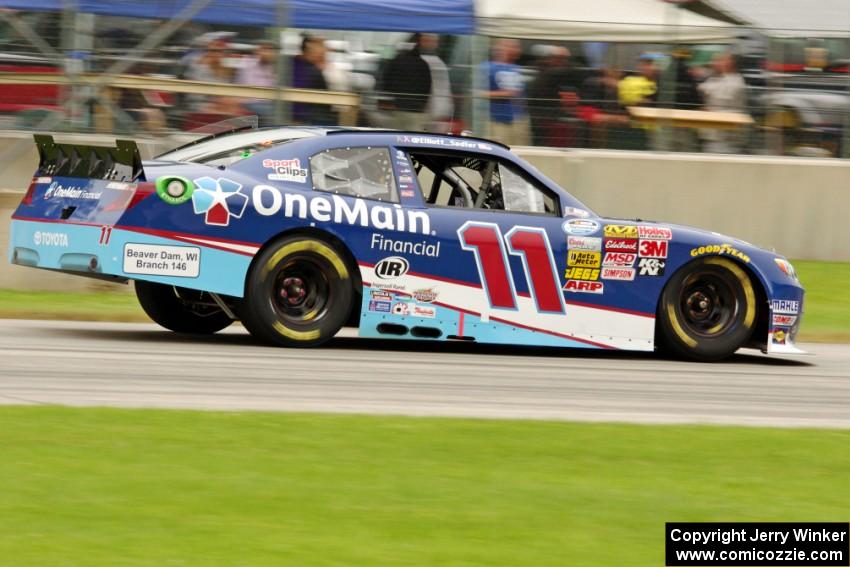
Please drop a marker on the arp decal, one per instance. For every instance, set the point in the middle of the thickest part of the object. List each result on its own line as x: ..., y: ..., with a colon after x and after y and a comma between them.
x: 584, y: 287
x: 621, y: 231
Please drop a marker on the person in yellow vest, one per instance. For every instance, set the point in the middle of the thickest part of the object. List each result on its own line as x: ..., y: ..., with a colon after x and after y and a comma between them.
x: 642, y: 88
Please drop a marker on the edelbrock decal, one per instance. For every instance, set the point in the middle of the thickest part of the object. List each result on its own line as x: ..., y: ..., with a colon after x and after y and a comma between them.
x: 269, y: 201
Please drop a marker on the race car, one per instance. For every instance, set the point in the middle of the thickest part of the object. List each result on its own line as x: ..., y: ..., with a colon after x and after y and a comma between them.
x: 297, y: 232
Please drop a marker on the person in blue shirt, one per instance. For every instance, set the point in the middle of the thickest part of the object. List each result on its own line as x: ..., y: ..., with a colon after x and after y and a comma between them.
x: 506, y: 91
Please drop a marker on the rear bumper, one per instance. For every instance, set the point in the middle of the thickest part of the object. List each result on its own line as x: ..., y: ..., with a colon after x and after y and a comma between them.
x: 122, y: 253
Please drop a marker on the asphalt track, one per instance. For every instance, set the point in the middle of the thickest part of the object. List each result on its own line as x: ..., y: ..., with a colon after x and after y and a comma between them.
x: 139, y: 365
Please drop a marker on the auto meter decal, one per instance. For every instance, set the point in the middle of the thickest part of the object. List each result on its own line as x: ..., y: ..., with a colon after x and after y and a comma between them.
x: 580, y: 227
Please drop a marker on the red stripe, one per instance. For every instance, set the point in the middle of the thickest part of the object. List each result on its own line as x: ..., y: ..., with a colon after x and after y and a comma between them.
x: 460, y: 324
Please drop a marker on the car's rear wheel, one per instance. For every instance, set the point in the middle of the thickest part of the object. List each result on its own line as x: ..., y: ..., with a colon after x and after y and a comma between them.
x: 707, y: 310
x: 181, y: 310
x: 299, y: 293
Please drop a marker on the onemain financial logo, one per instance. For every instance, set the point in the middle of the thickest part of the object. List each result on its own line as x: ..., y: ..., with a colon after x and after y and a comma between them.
x: 269, y: 201
x: 58, y: 191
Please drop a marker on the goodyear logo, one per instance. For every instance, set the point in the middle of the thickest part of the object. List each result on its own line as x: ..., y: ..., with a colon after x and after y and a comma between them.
x: 621, y: 231
x: 584, y: 259
x: 721, y: 249
x: 590, y: 274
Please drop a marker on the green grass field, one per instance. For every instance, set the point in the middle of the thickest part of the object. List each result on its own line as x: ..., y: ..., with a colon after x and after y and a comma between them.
x: 827, y: 317
x: 92, y: 487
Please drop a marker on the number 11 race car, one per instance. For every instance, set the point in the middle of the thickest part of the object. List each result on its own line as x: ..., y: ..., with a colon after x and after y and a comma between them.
x: 298, y: 232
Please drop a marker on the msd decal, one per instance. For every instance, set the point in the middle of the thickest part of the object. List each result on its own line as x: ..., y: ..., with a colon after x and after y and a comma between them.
x: 619, y: 259
x: 218, y: 200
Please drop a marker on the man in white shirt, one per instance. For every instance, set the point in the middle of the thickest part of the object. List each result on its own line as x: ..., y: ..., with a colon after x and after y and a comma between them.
x: 725, y: 91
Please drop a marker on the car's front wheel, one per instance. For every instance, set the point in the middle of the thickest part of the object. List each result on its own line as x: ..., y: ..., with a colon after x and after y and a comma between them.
x: 181, y: 310
x: 299, y: 293
x: 707, y: 310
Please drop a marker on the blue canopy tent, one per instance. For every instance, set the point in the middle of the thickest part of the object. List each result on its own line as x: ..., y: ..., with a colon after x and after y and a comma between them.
x: 437, y: 16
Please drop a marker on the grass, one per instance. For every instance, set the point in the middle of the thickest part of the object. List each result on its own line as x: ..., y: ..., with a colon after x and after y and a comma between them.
x: 827, y: 307
x: 91, y: 487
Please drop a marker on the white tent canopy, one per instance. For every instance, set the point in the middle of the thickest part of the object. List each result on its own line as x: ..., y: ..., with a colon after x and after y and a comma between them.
x: 639, y: 21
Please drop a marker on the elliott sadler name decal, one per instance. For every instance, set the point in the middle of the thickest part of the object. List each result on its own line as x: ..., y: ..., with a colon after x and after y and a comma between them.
x: 269, y: 201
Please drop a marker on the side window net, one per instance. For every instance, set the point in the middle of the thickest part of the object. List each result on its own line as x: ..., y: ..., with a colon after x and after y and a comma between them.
x: 357, y: 172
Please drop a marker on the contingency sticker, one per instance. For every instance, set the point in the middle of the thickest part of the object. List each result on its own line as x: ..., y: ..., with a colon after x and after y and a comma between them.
x: 153, y: 260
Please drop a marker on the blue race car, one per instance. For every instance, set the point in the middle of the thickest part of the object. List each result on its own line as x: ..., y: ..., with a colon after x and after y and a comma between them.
x: 298, y: 232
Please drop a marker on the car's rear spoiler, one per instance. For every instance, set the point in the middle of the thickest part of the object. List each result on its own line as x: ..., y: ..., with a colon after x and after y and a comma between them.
x: 121, y: 163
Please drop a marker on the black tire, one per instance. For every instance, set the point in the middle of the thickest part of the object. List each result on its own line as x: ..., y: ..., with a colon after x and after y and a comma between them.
x: 299, y: 292
x: 181, y: 310
x: 707, y: 310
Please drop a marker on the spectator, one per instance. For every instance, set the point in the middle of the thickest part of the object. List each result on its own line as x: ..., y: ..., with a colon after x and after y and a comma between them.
x: 725, y: 91
x: 508, y: 121
x: 209, y: 66
x: 553, y: 88
x: 440, y: 107
x: 407, y: 80
x: 307, y: 73
x: 600, y: 109
x: 642, y: 88
x: 259, y: 71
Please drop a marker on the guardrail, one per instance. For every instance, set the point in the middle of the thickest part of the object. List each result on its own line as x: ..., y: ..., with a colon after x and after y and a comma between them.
x: 350, y: 102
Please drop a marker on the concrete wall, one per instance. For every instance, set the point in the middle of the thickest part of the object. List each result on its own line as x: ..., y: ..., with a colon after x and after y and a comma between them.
x: 800, y: 207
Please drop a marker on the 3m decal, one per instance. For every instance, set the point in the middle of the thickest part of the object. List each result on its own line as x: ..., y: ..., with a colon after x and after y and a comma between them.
x: 619, y: 259
x: 584, y: 259
x: 584, y: 286
x: 651, y: 267
x: 660, y: 232
x: 174, y: 261
x: 391, y: 268
x: 726, y: 249
x: 621, y: 231
x: 653, y: 249
x: 491, y: 256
